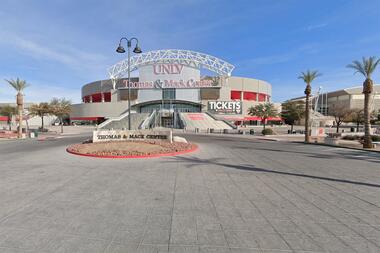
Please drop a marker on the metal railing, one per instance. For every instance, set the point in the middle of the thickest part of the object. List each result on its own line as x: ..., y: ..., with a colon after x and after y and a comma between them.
x: 149, y: 121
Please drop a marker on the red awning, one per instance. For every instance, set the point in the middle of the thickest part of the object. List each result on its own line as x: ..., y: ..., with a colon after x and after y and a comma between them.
x: 253, y: 118
x: 259, y: 119
x: 274, y: 119
x: 248, y: 118
x: 232, y: 118
x: 3, y: 118
x: 86, y: 118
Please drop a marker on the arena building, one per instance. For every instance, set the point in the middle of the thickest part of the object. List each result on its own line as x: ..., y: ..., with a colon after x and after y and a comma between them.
x: 168, y: 90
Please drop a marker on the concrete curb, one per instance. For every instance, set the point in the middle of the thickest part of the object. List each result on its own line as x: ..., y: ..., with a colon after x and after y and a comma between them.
x: 193, y: 149
x: 266, y: 139
x: 335, y: 146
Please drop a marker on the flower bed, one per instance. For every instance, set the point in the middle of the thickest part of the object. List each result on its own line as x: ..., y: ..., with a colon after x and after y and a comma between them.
x: 131, y: 149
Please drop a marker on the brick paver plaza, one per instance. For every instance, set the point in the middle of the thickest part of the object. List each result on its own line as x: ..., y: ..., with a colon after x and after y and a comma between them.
x: 233, y: 195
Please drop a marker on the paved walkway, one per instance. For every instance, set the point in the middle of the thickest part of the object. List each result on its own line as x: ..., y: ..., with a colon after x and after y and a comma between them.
x: 233, y: 195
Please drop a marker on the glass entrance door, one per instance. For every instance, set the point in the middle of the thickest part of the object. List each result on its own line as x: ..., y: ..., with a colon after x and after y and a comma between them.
x: 167, y: 122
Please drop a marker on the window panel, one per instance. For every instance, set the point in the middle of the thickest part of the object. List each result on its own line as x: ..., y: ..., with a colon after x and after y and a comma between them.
x: 235, y: 94
x: 251, y: 96
x: 262, y: 97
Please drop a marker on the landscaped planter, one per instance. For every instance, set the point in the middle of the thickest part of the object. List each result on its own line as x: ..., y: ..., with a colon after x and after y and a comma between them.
x: 131, y: 149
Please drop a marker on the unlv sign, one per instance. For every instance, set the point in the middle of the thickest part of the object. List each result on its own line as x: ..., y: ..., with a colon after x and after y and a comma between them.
x: 170, y: 75
x: 224, y: 107
x: 161, y: 69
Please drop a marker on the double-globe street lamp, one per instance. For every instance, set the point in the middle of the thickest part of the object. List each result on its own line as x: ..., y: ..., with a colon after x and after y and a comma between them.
x: 137, y: 50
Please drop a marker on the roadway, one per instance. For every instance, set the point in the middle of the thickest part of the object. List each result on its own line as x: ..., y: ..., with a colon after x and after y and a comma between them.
x: 232, y: 195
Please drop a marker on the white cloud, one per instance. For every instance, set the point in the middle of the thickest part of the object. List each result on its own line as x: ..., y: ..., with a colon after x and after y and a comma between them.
x: 316, y: 26
x: 63, y: 54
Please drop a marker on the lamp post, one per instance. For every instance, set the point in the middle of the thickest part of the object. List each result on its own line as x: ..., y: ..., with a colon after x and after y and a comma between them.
x: 137, y: 50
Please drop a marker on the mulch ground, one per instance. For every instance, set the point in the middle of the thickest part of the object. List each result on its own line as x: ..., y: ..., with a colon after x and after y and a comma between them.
x: 130, y: 148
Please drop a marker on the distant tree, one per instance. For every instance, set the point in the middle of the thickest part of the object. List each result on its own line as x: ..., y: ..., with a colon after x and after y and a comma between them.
x: 19, y: 85
x: 292, y: 111
x: 366, y: 67
x: 341, y: 114
x: 40, y: 110
x: 60, y: 107
x: 263, y: 111
x: 357, y: 116
x: 8, y: 111
x: 215, y: 80
x: 308, y: 77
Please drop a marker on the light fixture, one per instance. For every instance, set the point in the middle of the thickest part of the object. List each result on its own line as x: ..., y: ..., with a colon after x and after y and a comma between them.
x: 137, y: 49
x: 120, y: 49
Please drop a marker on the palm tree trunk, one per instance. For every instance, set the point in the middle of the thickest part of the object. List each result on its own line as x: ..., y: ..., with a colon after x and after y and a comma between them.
x: 291, y: 128
x: 19, y: 135
x: 337, y: 128
x: 20, y: 107
x: 61, y: 125
x: 307, y: 137
x: 367, y: 135
x: 357, y: 126
x: 9, y: 122
x: 42, y: 122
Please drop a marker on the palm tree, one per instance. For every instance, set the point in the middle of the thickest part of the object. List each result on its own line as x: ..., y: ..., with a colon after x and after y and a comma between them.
x: 41, y: 110
x: 19, y: 85
x: 60, y: 108
x: 366, y: 68
x: 308, y: 78
x: 264, y: 111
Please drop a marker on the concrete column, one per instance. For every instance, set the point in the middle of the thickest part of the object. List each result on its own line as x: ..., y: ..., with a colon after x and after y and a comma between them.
x: 114, y: 96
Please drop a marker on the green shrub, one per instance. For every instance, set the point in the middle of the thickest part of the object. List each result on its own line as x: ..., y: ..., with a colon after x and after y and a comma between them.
x: 351, y: 137
x: 375, y: 137
x: 267, y: 131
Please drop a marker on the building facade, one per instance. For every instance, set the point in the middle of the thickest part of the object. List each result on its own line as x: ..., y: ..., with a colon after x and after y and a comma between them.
x: 171, y: 80
x: 350, y: 98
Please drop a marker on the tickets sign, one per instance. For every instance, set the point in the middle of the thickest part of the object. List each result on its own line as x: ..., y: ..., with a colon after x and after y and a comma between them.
x: 225, y: 107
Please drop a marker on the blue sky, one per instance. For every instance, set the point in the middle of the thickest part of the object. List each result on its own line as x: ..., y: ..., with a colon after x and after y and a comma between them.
x: 59, y: 45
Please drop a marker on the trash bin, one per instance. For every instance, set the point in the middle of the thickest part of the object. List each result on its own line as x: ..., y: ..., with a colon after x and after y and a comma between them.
x: 289, y: 131
x: 211, y: 130
x: 251, y: 131
x: 352, y: 129
x: 225, y: 131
